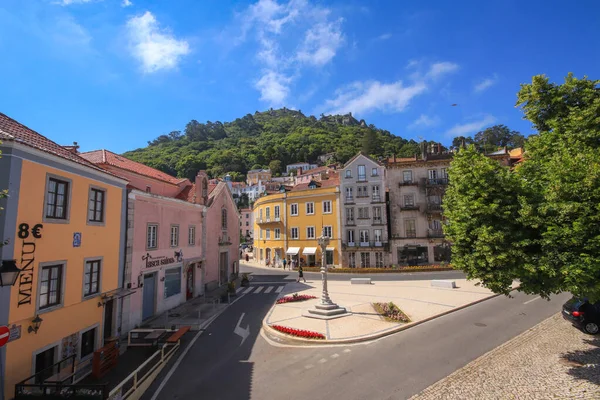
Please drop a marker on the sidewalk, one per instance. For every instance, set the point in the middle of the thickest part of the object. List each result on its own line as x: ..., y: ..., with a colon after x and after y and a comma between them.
x: 552, y: 360
x: 418, y: 299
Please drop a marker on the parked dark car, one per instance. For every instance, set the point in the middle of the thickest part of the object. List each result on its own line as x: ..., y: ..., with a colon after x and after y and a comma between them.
x: 583, y: 314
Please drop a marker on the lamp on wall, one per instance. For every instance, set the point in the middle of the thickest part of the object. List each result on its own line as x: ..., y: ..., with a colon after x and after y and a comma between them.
x: 35, y: 324
x: 9, y: 273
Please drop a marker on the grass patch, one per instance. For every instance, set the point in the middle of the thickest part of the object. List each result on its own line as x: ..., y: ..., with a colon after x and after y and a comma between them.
x: 391, y: 312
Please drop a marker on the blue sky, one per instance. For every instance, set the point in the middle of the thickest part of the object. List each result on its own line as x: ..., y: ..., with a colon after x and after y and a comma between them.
x: 116, y: 73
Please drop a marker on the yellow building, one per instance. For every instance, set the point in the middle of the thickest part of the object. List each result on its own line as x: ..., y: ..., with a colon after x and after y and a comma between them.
x: 258, y: 175
x: 287, y: 224
x: 64, y: 222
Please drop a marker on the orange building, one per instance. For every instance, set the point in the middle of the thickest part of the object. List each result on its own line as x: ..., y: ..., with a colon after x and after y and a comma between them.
x: 64, y: 221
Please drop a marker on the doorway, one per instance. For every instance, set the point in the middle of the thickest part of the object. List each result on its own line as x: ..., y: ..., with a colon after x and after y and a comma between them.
x: 148, y: 296
x: 189, y: 293
x: 43, y: 362
x: 108, y: 319
x: 223, y: 264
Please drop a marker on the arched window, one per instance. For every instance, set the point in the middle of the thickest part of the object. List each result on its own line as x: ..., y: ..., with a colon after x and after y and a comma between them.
x: 224, y: 218
x: 204, y: 188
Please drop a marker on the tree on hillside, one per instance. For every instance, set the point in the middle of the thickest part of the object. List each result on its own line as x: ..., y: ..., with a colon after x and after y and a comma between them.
x: 370, y: 142
x: 547, y: 232
x: 490, y: 139
x: 459, y: 140
x: 275, y: 167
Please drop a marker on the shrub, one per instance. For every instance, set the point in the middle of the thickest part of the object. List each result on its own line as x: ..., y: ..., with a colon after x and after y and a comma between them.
x: 298, y: 332
x: 295, y: 297
x: 398, y: 269
x: 391, y: 312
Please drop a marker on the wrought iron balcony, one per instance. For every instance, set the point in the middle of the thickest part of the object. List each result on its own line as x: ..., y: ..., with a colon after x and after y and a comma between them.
x: 350, y: 222
x: 435, y: 233
x: 377, y: 221
x: 349, y: 199
x: 437, y: 182
x: 411, y: 234
x: 407, y: 183
x: 376, y: 198
x: 434, y: 207
x: 409, y: 207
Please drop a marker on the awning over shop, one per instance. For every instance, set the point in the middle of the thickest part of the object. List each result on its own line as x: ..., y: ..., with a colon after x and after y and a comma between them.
x: 292, y: 251
x: 330, y: 248
x: 309, y: 251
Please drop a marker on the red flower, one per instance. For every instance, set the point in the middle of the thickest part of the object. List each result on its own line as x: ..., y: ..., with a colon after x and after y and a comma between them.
x: 298, y: 332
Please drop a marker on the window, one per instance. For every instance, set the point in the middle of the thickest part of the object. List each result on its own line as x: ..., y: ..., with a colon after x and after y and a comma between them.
x: 432, y: 173
x: 376, y: 193
x: 407, y: 176
x: 96, y: 205
x: 327, y: 207
x: 310, y: 208
x: 277, y: 233
x: 192, y: 235
x: 349, y: 215
x: 374, y: 172
x: 348, y: 173
x: 294, y: 209
x: 444, y: 173
x: 268, y: 213
x: 247, y: 215
x: 247, y: 223
x: 362, y: 173
x: 363, y: 191
x: 363, y: 212
x: 294, y: 233
x: 268, y: 234
x: 377, y: 214
x: 174, y: 235
x: 410, y: 228
x: 328, y: 231
x: 379, y: 259
x: 350, y: 236
x: 261, y: 235
x: 172, y: 282
x: 365, y: 260
x: 148, y: 189
x: 377, y: 235
x: 260, y: 214
x: 91, y: 280
x: 57, y: 199
x: 329, y: 257
x: 310, y: 232
x: 88, y: 343
x: 223, y: 219
x: 151, y: 236
x: 364, y: 236
x: 50, y: 286
x: 349, y: 195
x: 409, y: 200
x: 276, y: 212
x: 352, y: 260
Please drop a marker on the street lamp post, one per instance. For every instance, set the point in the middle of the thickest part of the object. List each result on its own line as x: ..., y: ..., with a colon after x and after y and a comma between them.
x: 323, y: 241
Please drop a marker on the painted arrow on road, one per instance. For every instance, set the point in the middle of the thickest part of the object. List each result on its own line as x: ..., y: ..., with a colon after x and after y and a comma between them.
x: 243, y: 333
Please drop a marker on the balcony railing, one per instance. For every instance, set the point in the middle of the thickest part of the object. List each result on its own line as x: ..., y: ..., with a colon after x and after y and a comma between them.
x: 407, y: 183
x: 377, y: 221
x: 376, y: 198
x: 350, y: 222
x: 349, y: 199
x: 411, y: 234
x: 277, y: 219
x: 434, y: 207
x: 408, y: 207
x: 365, y: 244
x: 437, y: 181
x: 351, y: 244
x: 362, y: 178
x: 435, y: 233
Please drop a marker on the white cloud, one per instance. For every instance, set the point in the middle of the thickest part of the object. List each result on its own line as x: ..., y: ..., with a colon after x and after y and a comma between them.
x: 485, y: 84
x: 439, y: 69
x: 67, y: 32
x: 274, y: 88
x: 471, y: 127
x: 156, y: 48
x: 362, y: 97
x: 385, y: 36
x: 321, y: 43
x: 425, y: 121
x: 291, y: 35
x: 126, y: 3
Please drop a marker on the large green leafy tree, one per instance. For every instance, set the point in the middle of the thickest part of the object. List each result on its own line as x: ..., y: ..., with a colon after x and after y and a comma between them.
x: 547, y: 233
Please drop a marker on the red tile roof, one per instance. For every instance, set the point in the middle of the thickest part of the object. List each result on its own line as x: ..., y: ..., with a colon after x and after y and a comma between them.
x: 188, y: 192
x: 314, y: 171
x: 11, y: 130
x: 101, y: 157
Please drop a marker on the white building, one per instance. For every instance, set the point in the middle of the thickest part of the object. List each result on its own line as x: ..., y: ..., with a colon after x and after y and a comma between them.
x: 301, y: 165
x: 363, y: 213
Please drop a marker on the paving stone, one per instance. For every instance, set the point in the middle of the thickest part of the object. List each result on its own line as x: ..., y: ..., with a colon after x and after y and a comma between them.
x: 552, y: 360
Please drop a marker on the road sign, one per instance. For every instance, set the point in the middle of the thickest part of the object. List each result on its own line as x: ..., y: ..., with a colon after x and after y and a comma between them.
x: 15, y: 333
x: 4, y: 335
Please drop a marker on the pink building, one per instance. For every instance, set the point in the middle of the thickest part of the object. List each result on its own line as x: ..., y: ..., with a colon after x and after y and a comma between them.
x: 167, y: 261
x: 246, y: 223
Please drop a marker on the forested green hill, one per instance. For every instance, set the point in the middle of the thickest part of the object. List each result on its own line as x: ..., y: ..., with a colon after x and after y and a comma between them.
x: 269, y: 139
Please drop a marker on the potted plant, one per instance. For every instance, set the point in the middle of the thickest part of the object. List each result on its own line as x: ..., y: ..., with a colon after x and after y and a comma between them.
x: 245, y: 281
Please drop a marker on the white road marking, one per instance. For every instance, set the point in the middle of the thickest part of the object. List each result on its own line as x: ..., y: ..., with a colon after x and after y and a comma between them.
x: 269, y: 289
x: 242, y: 332
x: 532, y: 300
x: 309, y: 366
x: 322, y: 361
x: 347, y: 350
x: 336, y: 355
x: 249, y: 290
x: 239, y: 289
x: 259, y: 289
x: 279, y: 289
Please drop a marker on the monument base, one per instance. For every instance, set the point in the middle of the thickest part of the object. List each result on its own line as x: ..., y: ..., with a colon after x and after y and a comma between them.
x: 326, y: 311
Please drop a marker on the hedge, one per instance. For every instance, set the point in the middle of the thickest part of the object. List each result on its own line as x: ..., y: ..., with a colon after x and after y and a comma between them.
x: 414, y: 268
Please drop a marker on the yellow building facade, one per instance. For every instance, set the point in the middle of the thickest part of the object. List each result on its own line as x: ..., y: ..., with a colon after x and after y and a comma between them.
x: 288, y: 224
x: 64, y: 219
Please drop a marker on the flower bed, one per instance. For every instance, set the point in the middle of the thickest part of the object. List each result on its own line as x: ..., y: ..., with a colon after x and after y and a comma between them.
x: 295, y: 297
x: 358, y: 270
x: 391, y: 312
x: 299, y: 332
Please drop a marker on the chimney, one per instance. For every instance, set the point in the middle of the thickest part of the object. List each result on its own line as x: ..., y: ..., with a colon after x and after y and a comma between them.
x: 73, y: 148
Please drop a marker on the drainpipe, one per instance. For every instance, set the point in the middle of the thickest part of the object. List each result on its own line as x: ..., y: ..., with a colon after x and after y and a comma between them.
x: 124, y: 260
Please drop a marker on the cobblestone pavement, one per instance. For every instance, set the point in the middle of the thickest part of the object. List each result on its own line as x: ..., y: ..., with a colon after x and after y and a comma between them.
x: 552, y: 360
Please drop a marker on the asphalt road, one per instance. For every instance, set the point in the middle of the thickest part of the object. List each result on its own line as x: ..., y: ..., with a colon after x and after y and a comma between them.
x: 219, y: 366
x: 406, y: 276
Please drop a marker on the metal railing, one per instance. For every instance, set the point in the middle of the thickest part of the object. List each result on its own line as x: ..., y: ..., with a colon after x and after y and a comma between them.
x: 376, y: 198
x: 407, y: 183
x: 350, y: 222
x: 377, y: 221
x: 411, y: 234
x: 435, y: 233
x: 437, y: 181
x: 434, y: 207
x: 349, y: 199
x: 409, y: 207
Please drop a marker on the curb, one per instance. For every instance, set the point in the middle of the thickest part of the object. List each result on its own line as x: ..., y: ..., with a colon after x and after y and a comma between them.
x: 301, y: 341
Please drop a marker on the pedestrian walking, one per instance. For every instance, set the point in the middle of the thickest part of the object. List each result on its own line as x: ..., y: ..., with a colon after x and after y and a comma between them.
x: 284, y: 263
x: 300, y: 274
x: 247, y: 257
